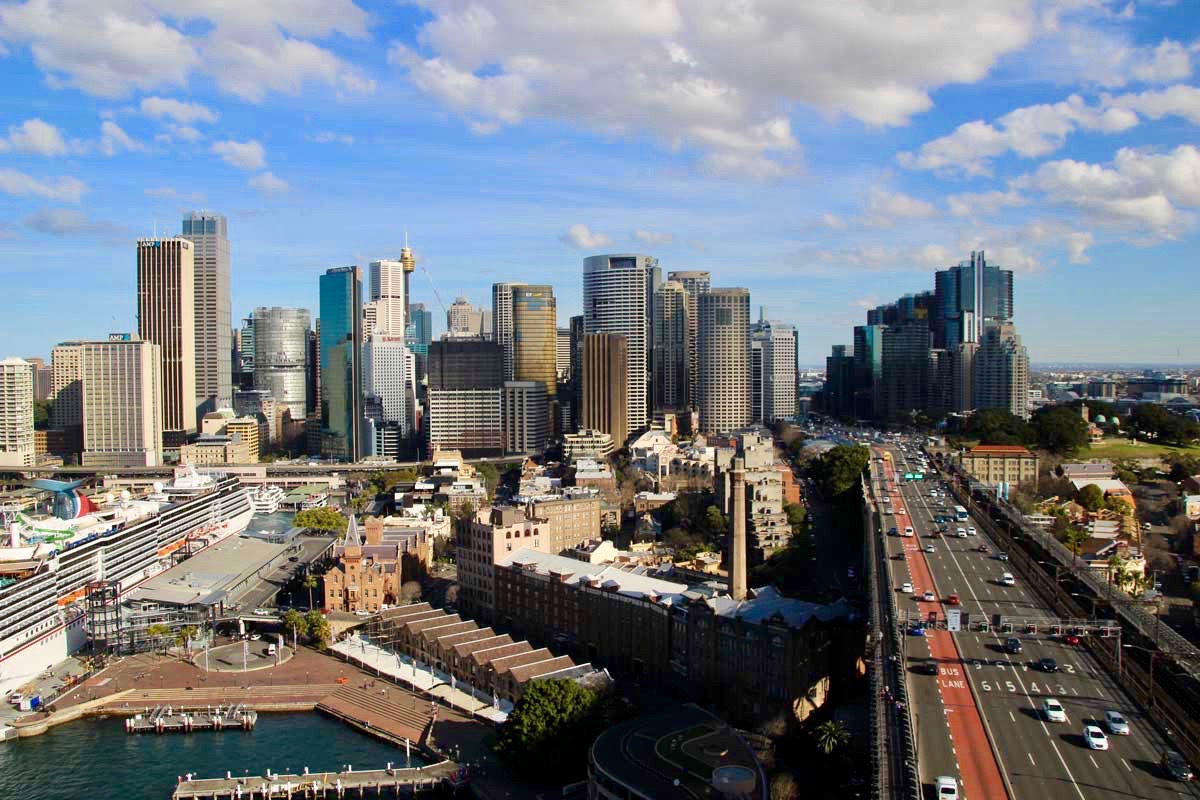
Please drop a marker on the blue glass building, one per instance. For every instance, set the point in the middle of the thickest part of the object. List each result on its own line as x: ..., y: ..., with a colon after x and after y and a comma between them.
x: 341, y: 347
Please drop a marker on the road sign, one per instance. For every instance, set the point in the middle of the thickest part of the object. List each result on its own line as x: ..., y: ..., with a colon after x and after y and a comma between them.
x: 953, y: 620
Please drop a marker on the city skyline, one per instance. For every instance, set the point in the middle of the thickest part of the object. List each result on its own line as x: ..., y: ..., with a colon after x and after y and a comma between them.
x: 826, y: 192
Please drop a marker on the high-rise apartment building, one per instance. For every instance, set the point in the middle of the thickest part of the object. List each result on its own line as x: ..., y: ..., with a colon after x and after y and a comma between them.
x: 42, y: 380
x: 281, y: 355
x: 773, y: 370
x: 535, y: 337
x: 166, y: 286
x: 562, y: 354
x: 341, y: 363
x: 66, y: 391
x: 502, y: 322
x: 672, y: 345
x: 604, y: 391
x: 695, y: 283
x: 388, y: 283
x: 868, y: 370
x: 213, y: 315
x: 16, y: 413
x: 618, y: 298
x: 123, y: 402
x: 1001, y: 371
x: 526, y: 410
x: 968, y: 296
x: 724, y: 360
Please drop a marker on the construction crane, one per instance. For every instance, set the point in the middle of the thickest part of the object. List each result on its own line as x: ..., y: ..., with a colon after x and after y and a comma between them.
x: 436, y: 293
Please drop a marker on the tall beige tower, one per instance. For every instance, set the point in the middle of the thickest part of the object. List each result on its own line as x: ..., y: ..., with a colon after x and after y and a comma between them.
x: 208, y: 233
x: 16, y: 413
x: 724, y: 360
x: 166, y: 317
x: 122, y: 402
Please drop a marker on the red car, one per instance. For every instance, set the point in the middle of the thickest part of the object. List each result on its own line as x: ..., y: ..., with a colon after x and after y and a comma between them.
x: 1071, y: 639
x: 952, y: 600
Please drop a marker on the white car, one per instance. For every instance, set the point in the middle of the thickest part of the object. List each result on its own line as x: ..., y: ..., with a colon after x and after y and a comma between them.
x: 972, y: 532
x: 1053, y: 710
x: 1007, y: 579
x: 908, y: 531
x: 906, y: 587
x: 1095, y: 738
x: 929, y: 596
x: 946, y: 788
x: 362, y: 612
x: 960, y: 533
x: 899, y: 511
x: 929, y: 548
x: 1116, y: 723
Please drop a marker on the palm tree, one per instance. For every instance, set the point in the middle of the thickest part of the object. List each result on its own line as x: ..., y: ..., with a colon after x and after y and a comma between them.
x: 310, y: 583
x: 831, y: 735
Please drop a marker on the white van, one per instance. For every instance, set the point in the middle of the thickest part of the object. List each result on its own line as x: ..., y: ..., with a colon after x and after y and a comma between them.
x: 271, y: 650
x: 946, y: 788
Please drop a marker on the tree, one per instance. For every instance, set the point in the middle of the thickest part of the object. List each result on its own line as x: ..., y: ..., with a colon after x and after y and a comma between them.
x: 41, y: 413
x: 1091, y: 497
x: 185, y: 635
x: 158, y: 633
x: 830, y: 735
x: 1183, y: 465
x: 784, y: 786
x: 1158, y: 423
x: 322, y: 519
x: 318, y: 628
x: 796, y: 514
x: 464, y: 511
x: 410, y: 591
x: 715, y: 524
x: 1074, y: 539
x: 998, y: 426
x: 550, y: 729
x: 490, y: 475
x: 444, y: 548
x: 838, y: 471
x: 295, y: 622
x: 310, y: 582
x: 1060, y: 429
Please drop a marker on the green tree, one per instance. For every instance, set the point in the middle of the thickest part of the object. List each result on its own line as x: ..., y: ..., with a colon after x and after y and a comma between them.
x: 1183, y: 465
x: 838, y: 471
x: 158, y: 634
x: 550, y: 730
x: 1060, y: 429
x: 998, y: 426
x: 295, y: 623
x: 185, y: 635
x: 715, y: 524
x: 444, y: 548
x: 1091, y: 497
x: 318, y: 627
x: 1074, y: 539
x: 490, y: 475
x: 831, y: 735
x: 310, y: 582
x: 41, y: 414
x: 464, y: 510
x: 796, y: 514
x: 322, y: 519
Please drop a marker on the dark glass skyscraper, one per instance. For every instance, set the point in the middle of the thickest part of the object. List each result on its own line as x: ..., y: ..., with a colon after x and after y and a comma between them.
x: 968, y: 296
x: 341, y: 340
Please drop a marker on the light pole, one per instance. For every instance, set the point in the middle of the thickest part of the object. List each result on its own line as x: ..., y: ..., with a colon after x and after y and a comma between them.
x: 1153, y: 654
x: 1086, y: 597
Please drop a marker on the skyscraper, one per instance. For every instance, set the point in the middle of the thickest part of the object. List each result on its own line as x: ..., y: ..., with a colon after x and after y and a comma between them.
x: 775, y: 379
x: 166, y: 286
x: 906, y: 368
x: 562, y: 354
x: 16, y: 413
x: 724, y: 360
x: 465, y: 387
x: 1001, y: 371
x: 465, y: 320
x: 502, y: 322
x: 390, y: 377
x: 66, y: 392
x: 695, y: 283
x: 604, y: 392
x: 123, y: 411
x: 387, y: 286
x: 213, y: 316
x: 341, y: 363
x: 618, y: 298
x: 526, y: 414
x: 672, y: 345
x: 281, y: 355
x: 535, y: 337
x: 968, y: 296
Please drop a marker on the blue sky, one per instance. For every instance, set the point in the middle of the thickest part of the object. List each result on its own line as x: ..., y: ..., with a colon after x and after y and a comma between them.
x: 827, y: 156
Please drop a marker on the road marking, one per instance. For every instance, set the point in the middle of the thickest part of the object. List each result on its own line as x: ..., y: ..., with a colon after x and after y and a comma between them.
x: 1093, y: 760
x: 1031, y: 761
x: 1062, y: 761
x: 1127, y: 767
x: 1010, y: 716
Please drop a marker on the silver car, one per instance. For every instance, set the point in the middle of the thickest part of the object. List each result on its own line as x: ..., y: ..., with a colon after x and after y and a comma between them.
x: 1116, y: 723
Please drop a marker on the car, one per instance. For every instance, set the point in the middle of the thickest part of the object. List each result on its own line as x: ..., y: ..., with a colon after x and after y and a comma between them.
x: 960, y: 533
x: 1047, y: 664
x: 983, y: 548
x: 929, y: 667
x: 1116, y: 723
x: 254, y: 637
x: 1146, y: 526
x: 262, y: 612
x: 362, y: 612
x: 850, y: 572
x: 906, y: 587
x: 294, y: 558
x: 945, y: 788
x: 271, y: 650
x: 952, y: 599
x: 916, y: 630
x: 971, y: 531
x: 893, y: 532
x: 1176, y: 766
x: 1053, y: 710
x: 1002, y: 556
x: 1071, y: 639
x: 1095, y: 738
x: 899, y: 511
x: 929, y: 596
x: 1007, y: 579
x: 930, y: 548
x: 1012, y: 646
x: 908, y: 531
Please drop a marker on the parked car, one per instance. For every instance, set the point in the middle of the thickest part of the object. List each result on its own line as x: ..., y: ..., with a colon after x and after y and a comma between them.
x: 1116, y: 723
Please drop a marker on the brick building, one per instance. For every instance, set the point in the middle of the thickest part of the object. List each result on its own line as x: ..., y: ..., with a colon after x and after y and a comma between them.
x: 994, y: 464
x: 368, y: 575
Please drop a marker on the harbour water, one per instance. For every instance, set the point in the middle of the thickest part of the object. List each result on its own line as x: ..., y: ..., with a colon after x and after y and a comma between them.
x: 95, y: 759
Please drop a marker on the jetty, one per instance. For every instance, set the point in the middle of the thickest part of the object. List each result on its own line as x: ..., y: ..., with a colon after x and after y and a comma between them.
x: 169, y: 719
x: 349, y: 783
x: 376, y: 711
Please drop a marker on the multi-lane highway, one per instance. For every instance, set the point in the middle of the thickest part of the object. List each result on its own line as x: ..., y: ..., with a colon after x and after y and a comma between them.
x: 980, y: 717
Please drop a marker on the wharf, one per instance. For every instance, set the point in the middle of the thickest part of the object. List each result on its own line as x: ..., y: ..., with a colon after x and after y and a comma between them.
x: 169, y: 719
x: 377, y: 713
x: 387, y: 782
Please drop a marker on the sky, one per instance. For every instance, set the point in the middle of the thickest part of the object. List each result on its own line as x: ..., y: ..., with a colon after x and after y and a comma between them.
x: 828, y: 156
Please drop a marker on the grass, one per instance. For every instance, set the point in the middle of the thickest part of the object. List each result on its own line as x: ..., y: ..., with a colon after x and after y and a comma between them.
x: 1123, y: 448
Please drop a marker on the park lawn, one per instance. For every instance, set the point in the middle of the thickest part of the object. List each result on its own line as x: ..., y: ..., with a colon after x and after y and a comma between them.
x: 1123, y: 448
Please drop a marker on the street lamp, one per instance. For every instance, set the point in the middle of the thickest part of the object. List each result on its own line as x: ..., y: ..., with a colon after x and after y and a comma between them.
x: 1086, y: 597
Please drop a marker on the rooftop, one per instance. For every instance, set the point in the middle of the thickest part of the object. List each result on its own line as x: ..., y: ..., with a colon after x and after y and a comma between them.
x: 1000, y: 449
x: 212, y: 575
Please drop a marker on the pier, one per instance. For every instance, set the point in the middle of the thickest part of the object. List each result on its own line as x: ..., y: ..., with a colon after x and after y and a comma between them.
x: 168, y: 719
x: 349, y: 783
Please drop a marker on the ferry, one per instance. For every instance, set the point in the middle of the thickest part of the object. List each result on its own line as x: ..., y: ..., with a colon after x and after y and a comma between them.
x: 48, y: 561
x: 266, y: 499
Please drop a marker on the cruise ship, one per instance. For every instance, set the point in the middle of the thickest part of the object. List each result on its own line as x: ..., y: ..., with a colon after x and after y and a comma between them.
x: 47, y: 562
x: 266, y: 499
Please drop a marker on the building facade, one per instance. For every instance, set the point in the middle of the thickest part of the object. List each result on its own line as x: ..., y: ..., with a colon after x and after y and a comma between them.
x: 773, y: 371
x: 526, y: 412
x: 535, y: 336
x: 724, y: 360
x: 695, y: 283
x: 166, y: 286
x: 1001, y: 371
x: 281, y: 356
x: 502, y: 322
x: 465, y: 320
x: 604, y: 402
x: 341, y: 354
x: 122, y: 402
x: 966, y: 298
x: 391, y: 376
x: 213, y: 316
x: 673, y: 344
x: 996, y: 465
x: 387, y: 281
x: 16, y: 413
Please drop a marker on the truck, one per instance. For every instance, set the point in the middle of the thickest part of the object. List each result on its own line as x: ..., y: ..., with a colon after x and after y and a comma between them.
x: 31, y: 703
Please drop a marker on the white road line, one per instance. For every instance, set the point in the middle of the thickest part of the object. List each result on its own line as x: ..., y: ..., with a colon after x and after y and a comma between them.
x: 1127, y: 767
x: 1010, y: 716
x: 1063, y: 761
x: 1093, y: 760
x: 1031, y: 761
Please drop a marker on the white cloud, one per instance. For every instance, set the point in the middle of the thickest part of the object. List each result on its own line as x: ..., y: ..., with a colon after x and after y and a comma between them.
x: 708, y: 76
x: 933, y: 256
x: 582, y: 237
x: 833, y: 222
x: 329, y: 137
x: 1179, y: 100
x: 248, y: 155
x: 181, y: 112
x: 653, y: 239
x: 35, y: 136
x: 975, y: 204
x: 19, y: 184
x: 1105, y: 55
x: 113, y: 140
x: 67, y: 222
x: 884, y: 208
x: 1142, y: 191
x: 268, y: 183
x: 1032, y: 131
x: 184, y: 133
x: 170, y: 193
x: 111, y: 49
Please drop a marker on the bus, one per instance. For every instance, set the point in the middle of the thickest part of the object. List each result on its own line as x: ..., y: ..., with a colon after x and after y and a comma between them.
x: 960, y: 514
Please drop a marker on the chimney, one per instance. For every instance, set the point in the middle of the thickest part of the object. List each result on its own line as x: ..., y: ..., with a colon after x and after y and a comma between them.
x: 737, y: 546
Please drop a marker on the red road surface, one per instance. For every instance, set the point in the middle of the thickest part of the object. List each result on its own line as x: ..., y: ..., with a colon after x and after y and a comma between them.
x: 981, y: 776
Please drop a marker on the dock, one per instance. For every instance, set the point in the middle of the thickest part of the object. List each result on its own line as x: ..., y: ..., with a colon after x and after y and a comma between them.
x: 375, y: 711
x: 169, y: 719
x: 349, y: 783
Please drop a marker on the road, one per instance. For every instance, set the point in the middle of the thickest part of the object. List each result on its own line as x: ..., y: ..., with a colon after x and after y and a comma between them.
x: 1036, y: 758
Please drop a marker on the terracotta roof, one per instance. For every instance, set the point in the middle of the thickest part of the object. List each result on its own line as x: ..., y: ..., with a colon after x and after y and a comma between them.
x: 1014, y: 449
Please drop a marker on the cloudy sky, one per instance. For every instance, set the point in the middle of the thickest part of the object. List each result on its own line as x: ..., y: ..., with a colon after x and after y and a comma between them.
x: 829, y: 156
